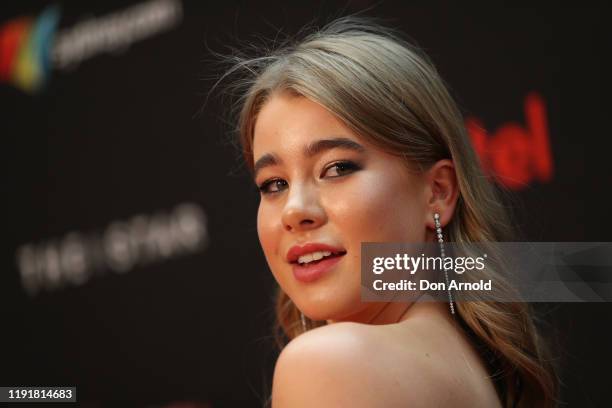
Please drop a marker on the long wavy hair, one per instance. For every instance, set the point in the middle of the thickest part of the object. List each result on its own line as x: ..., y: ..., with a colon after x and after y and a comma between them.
x: 388, y: 91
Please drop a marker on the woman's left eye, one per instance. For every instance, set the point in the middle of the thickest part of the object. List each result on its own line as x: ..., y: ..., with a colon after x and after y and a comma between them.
x: 341, y: 168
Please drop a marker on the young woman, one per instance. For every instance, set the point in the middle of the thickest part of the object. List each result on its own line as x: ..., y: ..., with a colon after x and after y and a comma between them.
x: 351, y: 137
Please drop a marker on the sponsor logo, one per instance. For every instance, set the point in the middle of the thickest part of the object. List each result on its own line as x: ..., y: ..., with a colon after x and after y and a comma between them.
x: 25, y: 45
x: 516, y: 155
x: 123, y: 246
x: 31, y: 47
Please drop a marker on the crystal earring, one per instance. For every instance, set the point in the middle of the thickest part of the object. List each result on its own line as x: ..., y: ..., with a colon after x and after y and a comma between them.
x: 303, y: 322
x: 443, y: 256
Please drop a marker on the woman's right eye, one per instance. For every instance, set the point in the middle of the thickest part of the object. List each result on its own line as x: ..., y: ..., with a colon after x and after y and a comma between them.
x: 272, y: 186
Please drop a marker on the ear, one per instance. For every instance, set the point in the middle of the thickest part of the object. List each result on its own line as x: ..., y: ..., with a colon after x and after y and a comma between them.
x: 442, y: 192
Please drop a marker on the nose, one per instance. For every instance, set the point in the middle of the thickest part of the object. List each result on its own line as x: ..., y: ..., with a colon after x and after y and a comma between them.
x: 303, y: 210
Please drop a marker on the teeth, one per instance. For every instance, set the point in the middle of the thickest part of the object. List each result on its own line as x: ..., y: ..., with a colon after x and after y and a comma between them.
x: 314, y: 256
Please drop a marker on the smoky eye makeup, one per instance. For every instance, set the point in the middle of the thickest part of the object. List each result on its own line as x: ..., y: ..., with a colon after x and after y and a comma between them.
x: 272, y: 186
x: 340, y: 168
x: 334, y: 170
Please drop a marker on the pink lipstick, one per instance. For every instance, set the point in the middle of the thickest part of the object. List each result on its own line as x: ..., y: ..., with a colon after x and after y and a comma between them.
x: 311, y: 271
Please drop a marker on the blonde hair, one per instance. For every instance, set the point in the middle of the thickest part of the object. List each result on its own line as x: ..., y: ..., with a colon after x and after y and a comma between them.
x: 388, y: 92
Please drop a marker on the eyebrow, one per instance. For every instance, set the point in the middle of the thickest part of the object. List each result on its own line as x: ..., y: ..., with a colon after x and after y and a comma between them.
x: 311, y: 150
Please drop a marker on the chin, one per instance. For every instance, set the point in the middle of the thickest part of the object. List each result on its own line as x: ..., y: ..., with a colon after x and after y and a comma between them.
x: 334, y: 308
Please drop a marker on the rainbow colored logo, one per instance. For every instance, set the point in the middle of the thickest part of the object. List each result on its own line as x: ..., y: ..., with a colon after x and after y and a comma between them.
x: 25, y: 49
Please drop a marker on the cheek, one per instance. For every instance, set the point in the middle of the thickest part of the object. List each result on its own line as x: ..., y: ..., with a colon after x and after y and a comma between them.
x: 378, y: 208
x: 266, y: 230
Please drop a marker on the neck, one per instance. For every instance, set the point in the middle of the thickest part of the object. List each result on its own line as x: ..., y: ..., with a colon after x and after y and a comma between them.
x: 378, y: 313
x: 395, y: 312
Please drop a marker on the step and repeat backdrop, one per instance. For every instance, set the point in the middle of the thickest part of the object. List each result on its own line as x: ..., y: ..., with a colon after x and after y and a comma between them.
x: 132, y: 268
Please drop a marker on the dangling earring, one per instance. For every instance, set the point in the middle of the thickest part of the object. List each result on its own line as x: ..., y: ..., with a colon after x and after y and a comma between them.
x: 303, y: 322
x: 443, y: 255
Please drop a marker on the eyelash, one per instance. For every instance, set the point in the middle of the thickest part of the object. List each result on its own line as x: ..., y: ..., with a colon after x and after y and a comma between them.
x: 263, y: 188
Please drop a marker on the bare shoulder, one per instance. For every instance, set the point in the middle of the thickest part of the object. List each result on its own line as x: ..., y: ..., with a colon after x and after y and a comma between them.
x: 357, y: 365
x: 327, y: 366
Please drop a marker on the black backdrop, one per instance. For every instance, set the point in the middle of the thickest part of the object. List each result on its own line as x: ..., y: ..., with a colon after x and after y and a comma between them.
x: 118, y: 136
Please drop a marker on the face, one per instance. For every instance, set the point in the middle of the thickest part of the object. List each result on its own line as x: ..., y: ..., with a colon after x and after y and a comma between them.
x: 321, y: 183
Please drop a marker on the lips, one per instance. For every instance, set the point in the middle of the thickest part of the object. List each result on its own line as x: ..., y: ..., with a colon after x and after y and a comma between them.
x: 296, y: 251
x: 312, y: 271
